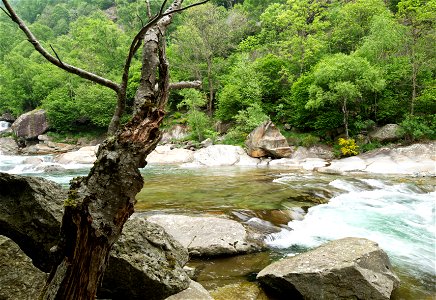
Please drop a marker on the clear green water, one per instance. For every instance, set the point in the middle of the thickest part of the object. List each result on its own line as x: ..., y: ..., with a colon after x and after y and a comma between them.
x: 226, y: 190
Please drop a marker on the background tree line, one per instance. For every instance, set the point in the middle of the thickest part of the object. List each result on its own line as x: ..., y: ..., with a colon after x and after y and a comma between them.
x: 322, y: 67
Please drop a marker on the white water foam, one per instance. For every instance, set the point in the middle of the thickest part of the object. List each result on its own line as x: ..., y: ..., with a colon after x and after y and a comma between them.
x: 396, y: 216
x: 4, y: 125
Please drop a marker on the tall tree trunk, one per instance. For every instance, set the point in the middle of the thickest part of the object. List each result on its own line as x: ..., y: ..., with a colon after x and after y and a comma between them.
x: 345, y: 112
x: 211, y: 88
x: 98, y: 205
x: 414, y: 83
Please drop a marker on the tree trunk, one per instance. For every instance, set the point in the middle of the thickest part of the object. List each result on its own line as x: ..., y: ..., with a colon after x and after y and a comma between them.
x: 98, y: 205
x: 345, y: 112
x: 211, y: 88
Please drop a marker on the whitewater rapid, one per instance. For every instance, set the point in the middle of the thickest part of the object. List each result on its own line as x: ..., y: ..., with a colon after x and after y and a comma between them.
x: 400, y: 217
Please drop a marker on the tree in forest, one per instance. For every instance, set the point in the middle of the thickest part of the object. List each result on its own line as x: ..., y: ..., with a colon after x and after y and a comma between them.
x: 207, y: 36
x: 297, y: 31
x: 99, y: 204
x: 351, y: 23
x: 420, y: 18
x: 343, y: 80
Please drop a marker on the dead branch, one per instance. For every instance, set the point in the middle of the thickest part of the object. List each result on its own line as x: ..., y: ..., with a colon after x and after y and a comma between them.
x: 185, y: 85
x: 149, y: 15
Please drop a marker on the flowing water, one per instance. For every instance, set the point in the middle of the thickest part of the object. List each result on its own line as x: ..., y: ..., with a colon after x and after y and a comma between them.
x: 397, y: 213
x: 4, y: 125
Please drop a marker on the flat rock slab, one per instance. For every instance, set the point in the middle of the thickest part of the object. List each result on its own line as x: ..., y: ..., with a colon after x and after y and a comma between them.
x: 167, y: 155
x: 208, y: 236
x: 349, y: 268
x: 85, y: 155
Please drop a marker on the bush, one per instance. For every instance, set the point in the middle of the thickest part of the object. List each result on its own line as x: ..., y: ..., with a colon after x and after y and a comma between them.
x: 347, y: 147
x: 414, y: 128
x: 302, y: 139
x: 198, y: 121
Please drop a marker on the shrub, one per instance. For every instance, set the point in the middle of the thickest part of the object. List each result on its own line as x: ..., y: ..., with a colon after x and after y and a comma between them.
x: 348, y: 147
x: 414, y: 128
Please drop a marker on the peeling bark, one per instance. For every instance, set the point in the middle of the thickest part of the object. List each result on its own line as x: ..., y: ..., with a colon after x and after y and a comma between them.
x: 98, y: 205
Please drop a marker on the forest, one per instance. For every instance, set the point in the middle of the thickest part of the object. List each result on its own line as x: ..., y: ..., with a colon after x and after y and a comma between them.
x: 318, y: 69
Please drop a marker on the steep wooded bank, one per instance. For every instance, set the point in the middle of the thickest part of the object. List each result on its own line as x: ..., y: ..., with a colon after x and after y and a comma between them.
x: 320, y: 68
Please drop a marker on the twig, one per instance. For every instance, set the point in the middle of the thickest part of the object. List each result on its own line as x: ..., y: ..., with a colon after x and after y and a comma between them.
x: 4, y: 10
x: 54, y: 51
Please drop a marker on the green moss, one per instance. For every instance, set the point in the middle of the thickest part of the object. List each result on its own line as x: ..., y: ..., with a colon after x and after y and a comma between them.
x: 73, y: 199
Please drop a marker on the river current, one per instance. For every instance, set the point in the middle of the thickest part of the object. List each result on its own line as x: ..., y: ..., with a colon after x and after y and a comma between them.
x: 396, y: 212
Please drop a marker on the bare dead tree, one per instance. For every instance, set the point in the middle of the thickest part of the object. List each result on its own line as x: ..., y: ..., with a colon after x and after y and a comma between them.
x: 99, y: 204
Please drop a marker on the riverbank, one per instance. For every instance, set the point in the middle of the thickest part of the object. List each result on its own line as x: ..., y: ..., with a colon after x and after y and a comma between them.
x: 413, y: 160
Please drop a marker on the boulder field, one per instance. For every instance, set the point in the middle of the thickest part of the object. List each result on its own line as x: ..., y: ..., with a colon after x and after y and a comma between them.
x: 417, y: 159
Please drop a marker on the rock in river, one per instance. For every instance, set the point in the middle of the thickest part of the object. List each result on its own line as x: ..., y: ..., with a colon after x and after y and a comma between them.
x: 146, y: 263
x: 266, y: 140
x: 208, y: 236
x: 31, y: 124
x: 349, y: 268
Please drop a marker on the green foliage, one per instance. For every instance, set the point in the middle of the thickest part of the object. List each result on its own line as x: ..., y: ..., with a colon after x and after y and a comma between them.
x: 242, y: 89
x: 250, y: 118
x: 302, y: 139
x: 369, y: 146
x: 61, y: 109
x: 343, y: 81
x: 414, y: 128
x: 363, y: 125
x: 314, y: 65
x: 68, y: 108
x: 351, y: 23
x: 198, y: 121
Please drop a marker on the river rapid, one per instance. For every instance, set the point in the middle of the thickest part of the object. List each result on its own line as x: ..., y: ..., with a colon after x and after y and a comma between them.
x: 396, y: 212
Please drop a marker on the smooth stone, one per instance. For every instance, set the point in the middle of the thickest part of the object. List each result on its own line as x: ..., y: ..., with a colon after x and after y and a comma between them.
x: 195, y: 291
x: 169, y: 155
x: 85, y: 155
x: 349, y: 268
x: 208, y: 236
x: 8, y: 146
x: 31, y: 124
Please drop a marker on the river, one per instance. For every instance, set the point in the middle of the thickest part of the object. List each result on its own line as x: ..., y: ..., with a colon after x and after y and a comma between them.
x: 396, y: 212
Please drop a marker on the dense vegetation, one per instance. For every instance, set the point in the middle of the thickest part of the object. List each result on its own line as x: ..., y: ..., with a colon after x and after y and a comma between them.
x: 323, y: 67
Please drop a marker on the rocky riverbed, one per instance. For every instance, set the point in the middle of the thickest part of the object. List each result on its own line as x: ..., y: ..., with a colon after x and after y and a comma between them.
x: 413, y: 161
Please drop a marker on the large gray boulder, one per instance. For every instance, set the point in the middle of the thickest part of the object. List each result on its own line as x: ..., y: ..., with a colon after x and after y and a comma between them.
x: 145, y: 260
x: 30, y: 214
x: 387, y: 133
x: 31, y: 124
x: 266, y: 140
x: 19, y: 279
x: 208, y: 236
x: 145, y: 263
x: 349, y: 268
